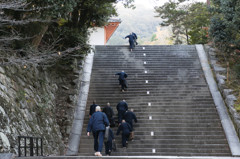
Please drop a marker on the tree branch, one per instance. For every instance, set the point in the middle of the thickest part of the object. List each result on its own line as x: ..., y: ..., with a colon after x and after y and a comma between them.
x: 23, y: 22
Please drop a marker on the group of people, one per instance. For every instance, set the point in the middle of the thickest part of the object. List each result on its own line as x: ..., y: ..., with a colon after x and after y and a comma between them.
x: 132, y: 39
x: 100, y: 119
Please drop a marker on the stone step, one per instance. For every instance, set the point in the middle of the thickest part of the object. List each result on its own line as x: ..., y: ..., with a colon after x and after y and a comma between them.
x: 134, y: 155
x: 156, y: 119
x: 150, y: 97
x: 145, y: 62
x: 176, y: 125
x: 164, y: 118
x: 122, y: 156
x: 143, y: 55
x: 172, y: 141
x: 162, y: 81
x: 174, y: 129
x: 166, y: 151
x: 138, y: 139
x: 163, y: 89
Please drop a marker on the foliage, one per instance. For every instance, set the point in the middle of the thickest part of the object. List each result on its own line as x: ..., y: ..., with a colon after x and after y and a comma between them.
x: 224, y: 32
x: 237, y: 104
x: 225, y: 24
x: 127, y: 4
x: 199, y: 20
x: 173, y: 15
x: 154, y: 37
x: 189, y: 21
x: 33, y: 27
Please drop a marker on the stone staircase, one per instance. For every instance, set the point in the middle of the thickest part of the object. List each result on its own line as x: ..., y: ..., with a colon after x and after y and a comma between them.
x: 168, y: 92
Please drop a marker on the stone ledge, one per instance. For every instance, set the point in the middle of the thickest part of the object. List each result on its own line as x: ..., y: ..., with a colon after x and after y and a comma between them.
x: 227, y: 123
x: 6, y: 156
x: 229, y: 98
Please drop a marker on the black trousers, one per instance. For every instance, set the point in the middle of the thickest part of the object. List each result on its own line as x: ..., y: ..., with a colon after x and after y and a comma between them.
x: 131, y: 44
x: 120, y: 115
x: 98, y: 135
x: 124, y: 139
x: 123, y: 84
x: 108, y: 147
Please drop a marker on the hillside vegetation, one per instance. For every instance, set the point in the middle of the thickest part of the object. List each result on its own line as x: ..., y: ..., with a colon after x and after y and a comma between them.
x: 143, y: 22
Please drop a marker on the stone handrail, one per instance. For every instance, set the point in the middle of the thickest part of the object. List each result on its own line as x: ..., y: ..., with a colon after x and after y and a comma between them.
x: 74, y: 139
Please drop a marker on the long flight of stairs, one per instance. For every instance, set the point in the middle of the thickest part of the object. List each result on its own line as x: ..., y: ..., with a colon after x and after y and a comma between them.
x: 169, y: 95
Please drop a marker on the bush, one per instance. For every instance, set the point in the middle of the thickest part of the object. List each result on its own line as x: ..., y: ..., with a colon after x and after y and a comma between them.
x: 237, y: 70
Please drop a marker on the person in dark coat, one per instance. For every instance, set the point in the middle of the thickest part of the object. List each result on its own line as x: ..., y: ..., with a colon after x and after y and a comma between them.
x: 129, y: 116
x: 135, y: 38
x: 122, y: 107
x: 97, y: 124
x: 126, y: 129
x: 131, y: 41
x: 122, y: 80
x: 92, y: 108
x: 109, y: 112
x: 108, y: 144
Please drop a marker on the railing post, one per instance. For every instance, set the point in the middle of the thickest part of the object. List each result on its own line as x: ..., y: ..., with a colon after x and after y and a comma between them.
x: 31, y: 141
x: 37, y: 145
x: 25, y: 147
x: 41, y: 147
x: 31, y: 146
x: 19, y: 146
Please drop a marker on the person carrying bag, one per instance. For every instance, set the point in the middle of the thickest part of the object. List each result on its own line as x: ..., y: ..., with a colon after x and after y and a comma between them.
x: 108, y: 141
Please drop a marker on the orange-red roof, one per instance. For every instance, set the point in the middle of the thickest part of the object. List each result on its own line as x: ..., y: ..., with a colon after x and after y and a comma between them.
x: 110, y: 29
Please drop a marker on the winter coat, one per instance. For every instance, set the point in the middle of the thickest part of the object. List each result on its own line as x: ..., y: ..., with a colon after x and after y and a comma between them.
x: 98, y: 121
x: 122, y: 106
x: 92, y: 109
x: 129, y: 116
x: 134, y: 35
x: 130, y: 37
x: 122, y: 75
x: 108, y: 111
x: 125, y: 128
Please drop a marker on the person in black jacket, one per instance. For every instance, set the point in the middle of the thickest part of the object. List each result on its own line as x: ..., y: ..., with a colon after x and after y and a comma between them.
x: 122, y: 80
x: 92, y: 108
x: 126, y: 129
x: 122, y: 107
x: 131, y: 41
x: 97, y: 124
x: 109, y: 112
x: 108, y: 144
x: 135, y: 38
x: 129, y: 116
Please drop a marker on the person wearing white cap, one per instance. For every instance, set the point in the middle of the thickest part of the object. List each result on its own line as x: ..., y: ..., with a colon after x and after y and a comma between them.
x: 97, y: 124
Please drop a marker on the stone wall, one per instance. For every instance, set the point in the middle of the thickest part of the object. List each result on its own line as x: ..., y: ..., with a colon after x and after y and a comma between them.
x: 38, y: 101
x: 220, y: 74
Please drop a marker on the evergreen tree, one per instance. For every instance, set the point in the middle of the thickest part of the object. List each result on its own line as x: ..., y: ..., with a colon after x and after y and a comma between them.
x: 225, y: 24
x: 199, y: 21
x: 47, y: 26
x: 173, y: 16
x: 225, y: 31
x: 189, y: 22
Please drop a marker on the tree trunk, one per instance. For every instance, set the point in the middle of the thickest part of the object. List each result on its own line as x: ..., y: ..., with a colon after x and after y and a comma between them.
x: 187, y: 36
x: 38, y: 38
x: 75, y: 16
